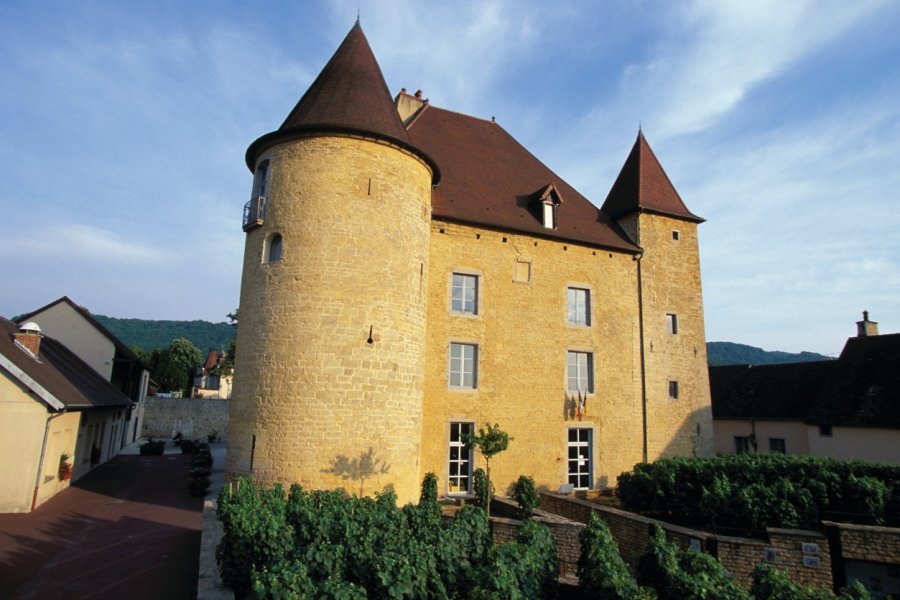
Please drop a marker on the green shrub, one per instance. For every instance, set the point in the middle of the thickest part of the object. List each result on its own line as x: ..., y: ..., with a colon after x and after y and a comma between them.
x: 484, y: 490
x: 770, y: 583
x: 524, y: 568
x: 685, y: 575
x: 525, y: 494
x: 755, y: 491
x: 256, y: 536
x: 149, y: 448
x: 601, y: 571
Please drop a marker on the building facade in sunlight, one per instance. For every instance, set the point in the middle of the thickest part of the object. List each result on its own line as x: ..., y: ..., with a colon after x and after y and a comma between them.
x: 412, y: 274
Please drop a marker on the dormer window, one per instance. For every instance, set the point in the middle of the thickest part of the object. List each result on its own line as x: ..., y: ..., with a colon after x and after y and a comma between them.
x: 549, y: 204
x: 549, y: 215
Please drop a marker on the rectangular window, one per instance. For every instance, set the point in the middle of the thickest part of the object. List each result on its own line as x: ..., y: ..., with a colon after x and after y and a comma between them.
x: 262, y: 172
x: 460, y: 464
x: 463, y: 365
x: 549, y: 215
x: 464, y: 294
x: 777, y: 445
x: 825, y: 431
x: 741, y: 444
x: 673, y: 390
x: 579, y: 458
x: 580, y: 372
x: 579, y: 306
x: 671, y: 323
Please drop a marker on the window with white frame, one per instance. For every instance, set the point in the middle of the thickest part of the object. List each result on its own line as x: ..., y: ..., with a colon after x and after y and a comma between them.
x: 579, y: 306
x: 459, y: 473
x: 671, y: 323
x: 464, y: 294
x: 580, y: 371
x: 463, y: 365
x: 579, y: 458
x: 549, y: 214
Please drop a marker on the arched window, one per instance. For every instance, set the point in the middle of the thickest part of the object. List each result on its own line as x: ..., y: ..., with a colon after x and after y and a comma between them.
x: 274, y: 254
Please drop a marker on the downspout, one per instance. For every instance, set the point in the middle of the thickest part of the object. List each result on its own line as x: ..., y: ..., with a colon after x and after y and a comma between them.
x: 640, y: 291
x: 40, y: 470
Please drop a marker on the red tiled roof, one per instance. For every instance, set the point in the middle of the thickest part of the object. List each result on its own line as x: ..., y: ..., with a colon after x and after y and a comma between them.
x: 642, y: 185
x: 489, y: 179
x: 59, y: 371
x: 349, y: 95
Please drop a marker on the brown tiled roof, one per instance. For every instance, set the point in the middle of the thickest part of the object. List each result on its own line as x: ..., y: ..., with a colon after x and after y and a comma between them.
x: 642, y: 185
x: 489, y: 179
x: 120, y: 346
x: 349, y: 95
x: 770, y: 392
x: 863, y: 389
x: 59, y: 371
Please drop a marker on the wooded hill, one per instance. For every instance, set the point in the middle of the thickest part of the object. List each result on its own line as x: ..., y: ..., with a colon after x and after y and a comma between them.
x: 150, y: 334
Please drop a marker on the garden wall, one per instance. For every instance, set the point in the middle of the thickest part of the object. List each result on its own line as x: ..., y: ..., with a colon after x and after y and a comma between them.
x: 565, y: 533
x: 193, y: 417
x: 805, y: 555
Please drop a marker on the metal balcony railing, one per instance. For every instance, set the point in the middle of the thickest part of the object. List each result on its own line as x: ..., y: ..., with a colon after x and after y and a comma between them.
x: 254, y: 213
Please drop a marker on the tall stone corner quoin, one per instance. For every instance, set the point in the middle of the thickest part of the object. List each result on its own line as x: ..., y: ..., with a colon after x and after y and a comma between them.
x: 412, y: 274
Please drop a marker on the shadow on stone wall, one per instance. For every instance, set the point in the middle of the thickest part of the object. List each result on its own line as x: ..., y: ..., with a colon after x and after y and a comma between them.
x: 358, y: 469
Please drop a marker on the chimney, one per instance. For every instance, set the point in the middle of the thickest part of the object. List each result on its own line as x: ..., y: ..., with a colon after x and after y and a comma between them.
x: 29, y: 336
x: 866, y: 328
x: 408, y: 105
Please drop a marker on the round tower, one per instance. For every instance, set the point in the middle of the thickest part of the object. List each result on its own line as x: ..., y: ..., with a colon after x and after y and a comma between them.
x: 330, y: 347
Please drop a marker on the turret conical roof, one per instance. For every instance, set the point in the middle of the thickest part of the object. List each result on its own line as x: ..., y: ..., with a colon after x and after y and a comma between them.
x: 350, y: 92
x: 643, y: 186
x: 349, y: 95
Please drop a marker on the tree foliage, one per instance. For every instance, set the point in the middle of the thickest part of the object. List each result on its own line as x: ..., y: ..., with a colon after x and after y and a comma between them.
x: 490, y: 442
x: 327, y: 545
x: 601, y: 570
x: 173, y: 367
x: 753, y: 491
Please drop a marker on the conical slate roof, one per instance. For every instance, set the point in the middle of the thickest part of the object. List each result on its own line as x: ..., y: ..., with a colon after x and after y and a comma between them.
x: 350, y: 92
x: 349, y: 95
x: 642, y: 185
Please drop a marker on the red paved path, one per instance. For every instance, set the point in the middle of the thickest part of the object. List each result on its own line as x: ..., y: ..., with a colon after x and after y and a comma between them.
x: 129, y: 529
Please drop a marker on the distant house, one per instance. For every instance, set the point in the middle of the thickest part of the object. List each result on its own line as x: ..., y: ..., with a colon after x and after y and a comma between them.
x: 58, y: 417
x: 846, y: 408
x: 213, y: 379
x: 84, y: 335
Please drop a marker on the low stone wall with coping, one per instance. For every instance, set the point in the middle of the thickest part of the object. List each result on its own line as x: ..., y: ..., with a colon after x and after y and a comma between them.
x: 805, y: 555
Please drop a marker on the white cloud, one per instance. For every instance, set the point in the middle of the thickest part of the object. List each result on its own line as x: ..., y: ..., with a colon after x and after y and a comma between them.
x: 73, y: 243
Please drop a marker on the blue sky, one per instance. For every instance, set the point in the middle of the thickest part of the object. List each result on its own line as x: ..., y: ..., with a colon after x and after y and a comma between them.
x: 123, y: 127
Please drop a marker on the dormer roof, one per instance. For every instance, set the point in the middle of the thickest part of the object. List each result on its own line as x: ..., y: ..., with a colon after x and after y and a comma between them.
x: 643, y: 186
x: 350, y: 96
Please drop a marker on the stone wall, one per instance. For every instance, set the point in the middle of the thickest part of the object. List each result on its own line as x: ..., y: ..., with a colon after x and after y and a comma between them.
x: 805, y: 555
x: 193, y: 417
x: 868, y: 542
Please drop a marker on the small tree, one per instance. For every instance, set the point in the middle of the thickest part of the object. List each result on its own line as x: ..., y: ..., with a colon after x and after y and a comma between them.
x: 489, y: 442
x: 525, y: 495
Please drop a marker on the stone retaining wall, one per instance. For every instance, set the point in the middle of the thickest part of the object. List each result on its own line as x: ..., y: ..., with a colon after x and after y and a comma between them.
x: 805, y: 555
x: 193, y: 417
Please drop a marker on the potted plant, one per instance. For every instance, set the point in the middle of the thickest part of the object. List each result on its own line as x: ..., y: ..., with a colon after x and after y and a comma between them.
x: 65, y: 467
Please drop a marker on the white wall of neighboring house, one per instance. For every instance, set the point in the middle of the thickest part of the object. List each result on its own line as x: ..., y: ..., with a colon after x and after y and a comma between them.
x: 864, y: 443
x: 64, y: 323
x: 793, y: 433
